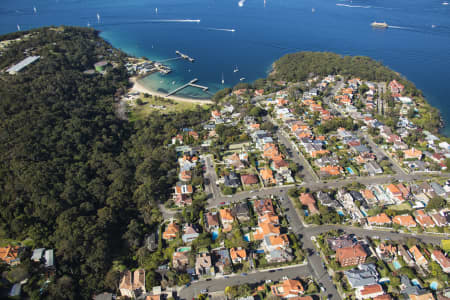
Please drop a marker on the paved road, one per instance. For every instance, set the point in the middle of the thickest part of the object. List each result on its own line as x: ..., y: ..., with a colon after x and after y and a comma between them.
x: 220, y: 284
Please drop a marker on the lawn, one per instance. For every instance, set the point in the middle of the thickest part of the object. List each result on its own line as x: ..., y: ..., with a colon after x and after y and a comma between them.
x: 164, y: 106
x: 402, y: 206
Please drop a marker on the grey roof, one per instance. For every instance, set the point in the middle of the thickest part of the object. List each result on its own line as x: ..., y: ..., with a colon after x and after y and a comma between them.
x: 241, y: 209
x: 15, y: 290
x: 407, y: 287
x: 356, y: 196
x: 437, y: 188
x: 48, y: 255
x: 37, y: 254
x: 364, y: 275
x: 19, y: 66
x: 104, y: 296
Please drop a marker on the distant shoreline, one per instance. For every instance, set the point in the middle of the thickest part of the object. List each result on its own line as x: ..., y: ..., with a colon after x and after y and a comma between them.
x: 140, y: 88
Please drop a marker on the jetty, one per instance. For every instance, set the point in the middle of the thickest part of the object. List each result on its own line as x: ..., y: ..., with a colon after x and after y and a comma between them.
x: 190, y: 83
x: 184, y: 56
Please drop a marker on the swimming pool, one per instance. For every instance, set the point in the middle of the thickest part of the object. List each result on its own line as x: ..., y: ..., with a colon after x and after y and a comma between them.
x: 396, y: 264
x: 215, y: 234
x: 434, y: 285
x: 340, y: 213
x: 247, y: 237
x: 416, y: 282
x: 350, y: 170
x: 184, y: 249
x: 306, y: 212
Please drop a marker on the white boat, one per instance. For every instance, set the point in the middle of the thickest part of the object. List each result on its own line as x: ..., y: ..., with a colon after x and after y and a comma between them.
x: 34, y: 9
x: 223, y: 80
x: 98, y: 18
x: 236, y: 69
x: 18, y: 27
x: 156, y: 10
x: 242, y: 79
x: 313, y: 9
x: 445, y: 3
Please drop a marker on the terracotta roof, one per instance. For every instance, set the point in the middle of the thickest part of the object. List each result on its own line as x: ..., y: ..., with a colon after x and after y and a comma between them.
x: 9, y: 253
x: 332, y: 170
x: 225, y: 214
x: 287, y: 288
x: 418, y: 256
x: 153, y: 297
x: 368, y: 194
x: 379, y: 219
x: 249, y: 179
x: 238, y: 253
x: 280, y: 240
x: 441, y: 259
x: 412, y: 153
x: 423, y: 219
x: 394, y: 189
x: 171, y: 231
x: 428, y: 296
x: 371, y: 289
x: 350, y: 252
x: 406, y: 220
x: 383, y: 297
x: 267, y: 175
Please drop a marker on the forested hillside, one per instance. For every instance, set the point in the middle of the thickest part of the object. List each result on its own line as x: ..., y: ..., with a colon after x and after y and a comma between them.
x: 301, y: 65
x: 74, y: 177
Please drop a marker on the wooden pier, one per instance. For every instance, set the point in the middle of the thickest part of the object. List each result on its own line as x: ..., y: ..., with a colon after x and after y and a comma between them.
x: 190, y: 83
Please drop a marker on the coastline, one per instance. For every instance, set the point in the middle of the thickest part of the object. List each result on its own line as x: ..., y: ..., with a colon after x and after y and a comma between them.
x: 140, y: 88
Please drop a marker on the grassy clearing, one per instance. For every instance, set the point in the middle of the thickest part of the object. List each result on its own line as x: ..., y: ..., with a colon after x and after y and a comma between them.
x: 402, y: 206
x: 157, y: 104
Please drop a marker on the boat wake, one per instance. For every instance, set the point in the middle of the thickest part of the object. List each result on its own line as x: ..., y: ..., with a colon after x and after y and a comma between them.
x: 221, y: 29
x: 241, y: 3
x: 353, y: 6
x: 173, y: 20
x: 400, y: 27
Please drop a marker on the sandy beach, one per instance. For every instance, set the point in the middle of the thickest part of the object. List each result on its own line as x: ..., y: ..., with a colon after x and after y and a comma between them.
x: 138, y: 87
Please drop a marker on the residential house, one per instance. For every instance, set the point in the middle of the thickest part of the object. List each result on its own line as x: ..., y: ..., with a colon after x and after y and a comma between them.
x: 407, y: 288
x: 425, y: 296
x: 373, y: 168
x: 189, y: 234
x: 343, y: 241
x: 263, y: 206
x: 404, y: 220
x: 275, y: 242
x: 132, y: 285
x: 151, y: 242
x: 232, y: 180
x: 383, y: 297
x: 183, y: 189
x: 227, y: 219
x: 182, y: 200
x: 351, y: 256
x: 222, y: 260
x: 418, y: 256
x: 238, y: 255
x: 362, y: 276
x: 437, y: 188
x: 379, y: 220
x: 396, y: 87
x: 423, y: 219
x: 288, y: 289
x: 405, y: 255
x: 180, y: 260
x: 394, y: 192
x: 203, y: 264
x: 309, y: 201
x: 212, y: 221
x: 412, y: 154
x: 249, y: 179
x: 171, y: 231
x: 386, y: 252
x: 331, y: 170
x: 325, y: 199
x: 267, y: 176
x: 10, y: 255
x: 442, y: 260
x: 369, y: 291
x: 439, y: 219
x: 241, y: 211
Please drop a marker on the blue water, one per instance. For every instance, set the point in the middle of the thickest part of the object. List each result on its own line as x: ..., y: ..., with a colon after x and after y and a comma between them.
x: 434, y: 285
x: 263, y: 33
x: 350, y: 171
x: 306, y: 212
x: 215, y: 234
x: 247, y: 237
x: 340, y: 213
x: 396, y: 264
x: 416, y: 283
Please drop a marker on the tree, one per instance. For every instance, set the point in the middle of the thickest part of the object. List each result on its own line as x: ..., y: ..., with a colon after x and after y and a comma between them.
x: 436, y: 203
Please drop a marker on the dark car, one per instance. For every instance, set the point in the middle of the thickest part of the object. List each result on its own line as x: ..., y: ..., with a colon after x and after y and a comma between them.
x: 244, y: 274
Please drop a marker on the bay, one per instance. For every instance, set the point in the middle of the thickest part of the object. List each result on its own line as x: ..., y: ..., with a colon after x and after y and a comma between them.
x: 417, y: 45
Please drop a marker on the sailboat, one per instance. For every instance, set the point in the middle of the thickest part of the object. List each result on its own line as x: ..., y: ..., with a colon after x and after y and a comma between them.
x: 236, y: 69
x: 98, y: 18
x: 34, y: 9
x: 242, y: 79
x: 18, y: 27
x: 88, y: 24
x: 223, y: 80
x: 156, y: 10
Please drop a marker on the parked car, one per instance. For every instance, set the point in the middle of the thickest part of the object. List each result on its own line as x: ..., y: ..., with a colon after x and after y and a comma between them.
x: 222, y: 203
x: 244, y: 274
x: 204, y: 291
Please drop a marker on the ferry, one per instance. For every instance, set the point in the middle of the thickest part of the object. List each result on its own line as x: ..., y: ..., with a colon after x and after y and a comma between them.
x: 379, y: 24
